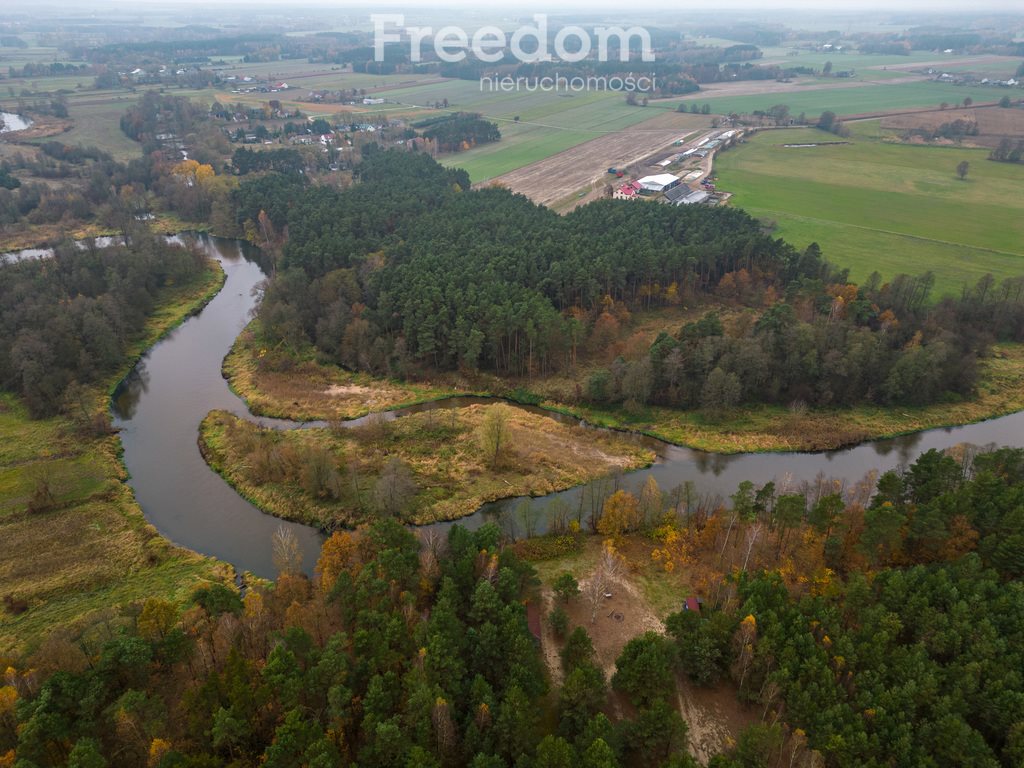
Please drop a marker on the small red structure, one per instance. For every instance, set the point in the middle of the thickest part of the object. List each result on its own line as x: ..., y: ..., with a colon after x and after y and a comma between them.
x: 691, y: 604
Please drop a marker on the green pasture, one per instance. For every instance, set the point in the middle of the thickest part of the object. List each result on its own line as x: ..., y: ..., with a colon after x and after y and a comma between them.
x: 548, y: 122
x: 852, y: 100
x: 881, y: 206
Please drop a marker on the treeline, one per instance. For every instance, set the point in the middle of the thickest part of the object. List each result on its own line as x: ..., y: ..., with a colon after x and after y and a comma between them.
x: 95, y: 197
x: 408, y: 273
x: 158, y: 114
x: 113, y: 193
x: 398, y: 653
x: 850, y: 663
x: 833, y: 605
x: 954, y: 130
x: 55, y: 69
x: 1007, y: 151
x: 280, y: 160
x: 107, y: 191
x: 462, y: 131
x: 194, y: 49
x: 410, y: 269
x: 66, y: 321
x: 821, y: 345
x: 881, y: 623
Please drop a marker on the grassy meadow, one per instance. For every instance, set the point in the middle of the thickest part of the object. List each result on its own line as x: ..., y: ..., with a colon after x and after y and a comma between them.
x: 97, y: 124
x: 878, y: 206
x: 72, y: 561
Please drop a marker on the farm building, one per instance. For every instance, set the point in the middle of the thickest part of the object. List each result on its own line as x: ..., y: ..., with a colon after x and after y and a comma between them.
x: 677, y: 193
x: 659, y: 182
x: 628, y: 191
x: 693, y: 198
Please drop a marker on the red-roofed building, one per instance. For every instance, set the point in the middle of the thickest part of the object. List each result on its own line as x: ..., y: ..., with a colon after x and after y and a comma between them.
x: 628, y: 191
x: 691, y: 604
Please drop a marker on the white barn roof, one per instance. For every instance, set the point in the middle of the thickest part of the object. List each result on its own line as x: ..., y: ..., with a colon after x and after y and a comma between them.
x: 658, y: 182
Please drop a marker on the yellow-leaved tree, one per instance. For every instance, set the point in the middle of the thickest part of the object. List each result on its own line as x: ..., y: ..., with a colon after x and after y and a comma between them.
x: 620, y: 515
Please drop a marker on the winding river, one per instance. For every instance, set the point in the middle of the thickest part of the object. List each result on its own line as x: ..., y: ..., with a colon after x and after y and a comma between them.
x: 160, y: 405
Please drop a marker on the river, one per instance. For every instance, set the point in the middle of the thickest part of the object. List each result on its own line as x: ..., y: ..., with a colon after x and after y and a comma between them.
x: 45, y: 252
x: 10, y: 122
x: 160, y: 405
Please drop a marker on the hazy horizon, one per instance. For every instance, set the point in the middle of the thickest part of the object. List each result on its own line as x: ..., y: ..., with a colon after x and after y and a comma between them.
x: 928, y: 7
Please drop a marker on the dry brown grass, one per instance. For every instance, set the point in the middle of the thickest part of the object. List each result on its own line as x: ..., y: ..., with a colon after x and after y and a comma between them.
x: 272, y: 384
x: 442, y: 450
x: 302, y: 393
x: 994, y: 123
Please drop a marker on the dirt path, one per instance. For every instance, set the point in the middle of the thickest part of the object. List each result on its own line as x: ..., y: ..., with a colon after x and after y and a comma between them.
x: 714, y: 716
x: 710, y: 726
x: 548, y: 644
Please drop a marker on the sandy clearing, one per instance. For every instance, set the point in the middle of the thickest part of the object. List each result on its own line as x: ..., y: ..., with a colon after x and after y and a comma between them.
x: 713, y: 715
x: 347, y: 390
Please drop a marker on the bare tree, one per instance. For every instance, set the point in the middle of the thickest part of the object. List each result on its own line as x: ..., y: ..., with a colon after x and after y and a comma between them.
x: 528, y: 514
x: 961, y: 169
x: 286, y: 551
x: 432, y: 548
x: 753, y: 533
x: 609, y: 566
x: 395, y: 487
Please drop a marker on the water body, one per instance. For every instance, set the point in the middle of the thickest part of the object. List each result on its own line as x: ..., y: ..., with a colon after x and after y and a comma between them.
x: 104, y: 241
x: 160, y: 406
x: 158, y: 409
x: 10, y: 122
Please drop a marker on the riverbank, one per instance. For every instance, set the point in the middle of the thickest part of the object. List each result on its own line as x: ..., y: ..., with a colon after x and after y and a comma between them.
x: 19, y: 237
x: 342, y: 477
x: 276, y: 383
x: 74, y: 545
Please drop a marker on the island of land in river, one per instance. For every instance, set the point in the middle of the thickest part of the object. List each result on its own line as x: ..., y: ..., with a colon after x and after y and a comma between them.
x: 428, y: 466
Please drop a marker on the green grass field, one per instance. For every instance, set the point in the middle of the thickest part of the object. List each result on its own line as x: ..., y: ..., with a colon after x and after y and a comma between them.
x: 855, y: 100
x: 98, y: 124
x: 887, y: 207
x: 548, y: 122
